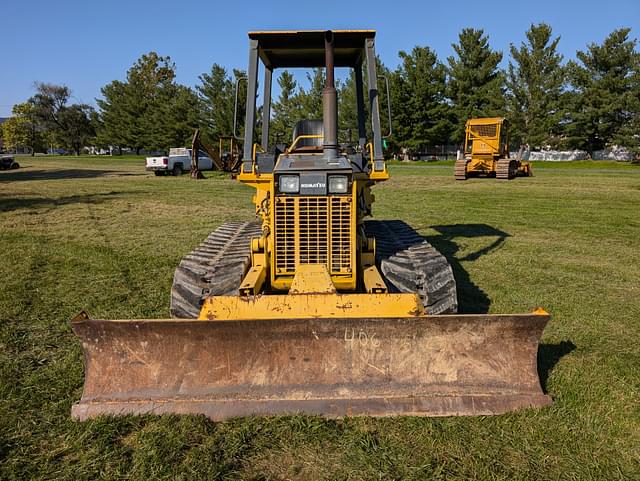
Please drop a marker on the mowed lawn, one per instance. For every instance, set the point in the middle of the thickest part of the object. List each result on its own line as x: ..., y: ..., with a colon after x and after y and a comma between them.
x: 102, y: 235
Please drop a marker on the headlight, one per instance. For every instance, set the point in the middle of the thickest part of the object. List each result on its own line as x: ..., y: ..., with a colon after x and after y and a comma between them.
x: 338, y: 184
x: 289, y: 184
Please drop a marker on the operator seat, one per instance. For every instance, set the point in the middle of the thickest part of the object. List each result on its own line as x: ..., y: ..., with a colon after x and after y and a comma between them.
x: 308, y: 127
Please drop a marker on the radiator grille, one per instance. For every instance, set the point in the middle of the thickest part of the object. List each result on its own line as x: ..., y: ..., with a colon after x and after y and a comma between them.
x: 313, y: 230
x: 484, y: 130
x: 340, y: 235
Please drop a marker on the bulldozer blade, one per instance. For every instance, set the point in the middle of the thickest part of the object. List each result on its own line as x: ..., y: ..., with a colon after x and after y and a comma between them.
x: 444, y: 365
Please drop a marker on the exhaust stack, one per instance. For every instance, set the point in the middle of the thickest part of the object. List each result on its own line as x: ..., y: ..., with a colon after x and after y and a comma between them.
x: 329, y: 102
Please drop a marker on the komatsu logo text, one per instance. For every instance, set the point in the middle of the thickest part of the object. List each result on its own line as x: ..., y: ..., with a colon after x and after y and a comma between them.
x: 317, y: 185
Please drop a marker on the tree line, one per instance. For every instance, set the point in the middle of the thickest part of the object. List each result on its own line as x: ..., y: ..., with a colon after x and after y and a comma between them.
x: 47, y: 119
x: 587, y: 103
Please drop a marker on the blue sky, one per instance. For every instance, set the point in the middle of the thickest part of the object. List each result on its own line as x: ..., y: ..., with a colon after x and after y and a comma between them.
x: 86, y: 44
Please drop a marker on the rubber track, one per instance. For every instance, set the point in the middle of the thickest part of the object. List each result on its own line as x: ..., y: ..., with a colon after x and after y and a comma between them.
x: 460, y: 169
x: 407, y: 261
x: 214, y: 268
x: 410, y: 264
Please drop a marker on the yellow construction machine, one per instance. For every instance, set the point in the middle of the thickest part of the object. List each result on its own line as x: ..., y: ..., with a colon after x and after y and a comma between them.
x: 486, y: 152
x: 312, y: 309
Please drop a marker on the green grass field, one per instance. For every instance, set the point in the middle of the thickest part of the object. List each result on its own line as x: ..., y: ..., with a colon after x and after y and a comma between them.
x: 101, y: 234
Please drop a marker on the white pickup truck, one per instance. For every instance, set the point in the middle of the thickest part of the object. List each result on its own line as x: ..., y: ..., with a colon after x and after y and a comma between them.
x: 177, y: 162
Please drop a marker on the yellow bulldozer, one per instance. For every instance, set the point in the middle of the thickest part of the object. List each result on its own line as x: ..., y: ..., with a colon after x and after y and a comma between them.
x: 486, y: 152
x: 313, y: 309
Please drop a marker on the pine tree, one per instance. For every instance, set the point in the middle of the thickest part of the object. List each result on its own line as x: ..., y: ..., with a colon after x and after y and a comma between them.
x: 118, y: 117
x: 629, y: 134
x: 421, y: 115
x: 176, y: 117
x: 475, y: 82
x: 311, y: 100
x: 535, y: 85
x: 149, y: 80
x: 149, y: 110
x: 347, y: 109
x: 605, y: 104
x: 384, y: 103
x: 217, y: 94
x: 286, y: 110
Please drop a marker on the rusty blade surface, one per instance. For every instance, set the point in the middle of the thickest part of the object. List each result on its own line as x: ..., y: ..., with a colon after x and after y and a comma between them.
x: 426, y: 366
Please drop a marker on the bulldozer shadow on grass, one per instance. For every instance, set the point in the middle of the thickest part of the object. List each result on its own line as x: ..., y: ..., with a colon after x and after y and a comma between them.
x: 10, y: 203
x: 549, y: 355
x: 471, y: 297
x: 28, y: 174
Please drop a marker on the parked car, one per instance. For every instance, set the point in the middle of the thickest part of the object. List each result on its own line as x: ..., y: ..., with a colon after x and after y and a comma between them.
x: 177, y: 162
x: 8, y: 162
x: 57, y: 152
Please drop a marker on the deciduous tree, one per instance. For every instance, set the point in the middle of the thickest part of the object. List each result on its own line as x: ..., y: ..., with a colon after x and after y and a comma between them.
x: 20, y: 130
x: 75, y: 126
x: 70, y: 124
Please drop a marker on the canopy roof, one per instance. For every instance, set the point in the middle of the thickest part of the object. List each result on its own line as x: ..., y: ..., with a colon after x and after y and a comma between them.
x: 305, y: 48
x: 486, y: 121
